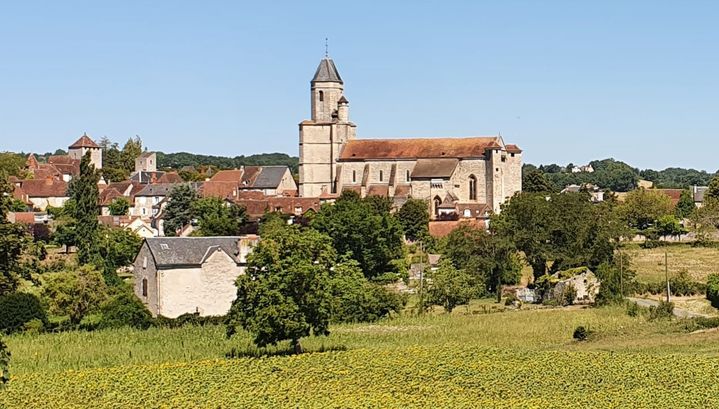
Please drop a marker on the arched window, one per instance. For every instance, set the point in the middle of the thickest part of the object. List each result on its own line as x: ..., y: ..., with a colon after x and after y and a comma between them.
x: 322, y: 96
x: 472, y: 187
x: 380, y: 176
x: 144, y: 287
x: 354, y: 176
x: 437, y: 202
x: 407, y: 175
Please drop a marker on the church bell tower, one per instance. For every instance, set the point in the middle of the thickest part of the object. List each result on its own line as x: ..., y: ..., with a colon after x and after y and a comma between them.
x: 323, y: 136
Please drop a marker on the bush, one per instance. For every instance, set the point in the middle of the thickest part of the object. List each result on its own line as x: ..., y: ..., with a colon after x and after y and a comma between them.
x: 662, y: 311
x: 17, y: 309
x: 125, y: 310
x: 582, y: 333
x: 4, y: 364
x: 713, y: 289
x: 633, y: 309
x: 189, y: 319
x: 700, y: 323
x: 682, y: 285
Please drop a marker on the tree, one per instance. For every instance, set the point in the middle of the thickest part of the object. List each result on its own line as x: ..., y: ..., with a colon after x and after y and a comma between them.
x: 285, y: 293
x: 668, y: 225
x: 130, y: 152
x: 449, y: 286
x: 85, y: 196
x: 685, y: 206
x: 125, y: 310
x: 13, y: 239
x: 119, y: 207
x: 75, y: 293
x: 179, y: 209
x: 365, y: 230
x: 216, y: 217
x: 12, y: 164
x: 704, y: 221
x: 414, y: 217
x: 713, y: 189
x: 642, y: 207
x: 117, y: 248
x: 534, y: 181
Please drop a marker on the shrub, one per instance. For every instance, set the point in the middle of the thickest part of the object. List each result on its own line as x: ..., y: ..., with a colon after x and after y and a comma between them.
x: 713, y: 289
x: 17, y: 309
x: 189, y: 319
x: 125, y: 310
x: 633, y: 309
x: 682, y: 285
x: 661, y: 311
x: 699, y: 323
x: 582, y: 333
x: 4, y: 364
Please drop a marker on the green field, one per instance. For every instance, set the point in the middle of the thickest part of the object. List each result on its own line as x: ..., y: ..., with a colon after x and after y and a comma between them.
x: 467, y: 359
x: 649, y: 263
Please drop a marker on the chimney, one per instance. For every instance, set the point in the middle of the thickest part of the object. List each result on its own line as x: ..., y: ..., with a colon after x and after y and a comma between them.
x: 153, y: 178
x: 48, y: 180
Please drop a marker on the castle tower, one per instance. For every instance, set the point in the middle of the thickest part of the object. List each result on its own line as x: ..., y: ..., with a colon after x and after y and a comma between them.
x: 323, y: 136
x: 78, y: 149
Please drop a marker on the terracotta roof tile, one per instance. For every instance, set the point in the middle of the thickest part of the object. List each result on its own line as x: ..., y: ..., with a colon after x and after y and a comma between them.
x: 674, y: 194
x: 44, y: 188
x: 443, y: 228
x: 402, y: 191
x: 223, y: 190
x: 170, y: 177
x: 84, y: 142
x: 234, y: 175
x: 378, y: 190
x: 434, y: 168
x: 475, y: 147
x: 511, y: 148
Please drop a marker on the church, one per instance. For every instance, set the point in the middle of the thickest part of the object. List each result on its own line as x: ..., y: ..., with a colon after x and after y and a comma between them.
x: 467, y: 177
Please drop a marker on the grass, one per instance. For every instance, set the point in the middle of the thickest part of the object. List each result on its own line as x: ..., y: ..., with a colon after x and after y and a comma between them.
x: 649, y: 263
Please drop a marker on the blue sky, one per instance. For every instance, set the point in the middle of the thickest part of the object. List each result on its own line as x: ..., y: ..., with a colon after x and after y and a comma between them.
x: 568, y: 81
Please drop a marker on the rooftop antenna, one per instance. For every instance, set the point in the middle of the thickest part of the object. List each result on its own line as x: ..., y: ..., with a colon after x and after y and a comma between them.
x: 327, y: 53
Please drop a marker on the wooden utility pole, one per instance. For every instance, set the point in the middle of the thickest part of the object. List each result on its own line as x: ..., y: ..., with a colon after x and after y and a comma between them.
x: 666, y: 271
x: 621, y: 273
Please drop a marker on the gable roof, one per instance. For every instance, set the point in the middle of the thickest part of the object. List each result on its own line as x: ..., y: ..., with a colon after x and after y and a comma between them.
x: 327, y: 72
x: 44, y: 187
x: 474, y: 147
x: 189, y: 251
x: 270, y: 177
x: 162, y: 189
x: 434, y: 168
x: 84, y: 142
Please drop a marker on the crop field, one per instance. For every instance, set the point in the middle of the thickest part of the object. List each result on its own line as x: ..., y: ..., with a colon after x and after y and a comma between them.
x: 649, y: 263
x: 508, y: 359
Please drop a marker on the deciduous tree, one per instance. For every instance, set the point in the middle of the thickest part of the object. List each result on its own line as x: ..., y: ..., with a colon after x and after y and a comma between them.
x: 414, y: 217
x: 75, y: 293
x: 179, y: 212
x: 685, y: 206
x: 449, y: 286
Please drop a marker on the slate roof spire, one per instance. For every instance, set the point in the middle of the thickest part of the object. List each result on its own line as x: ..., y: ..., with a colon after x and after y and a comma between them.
x: 327, y: 72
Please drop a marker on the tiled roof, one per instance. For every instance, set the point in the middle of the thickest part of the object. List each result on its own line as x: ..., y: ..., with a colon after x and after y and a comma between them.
x: 402, y: 191
x: 249, y: 175
x: 270, y: 177
x: 234, y: 175
x: 361, y: 149
x: 84, y: 142
x: 442, y: 228
x: 512, y: 148
x: 162, y: 189
x: 378, y: 190
x: 31, y: 162
x: 434, y: 168
x: 698, y: 192
x: 190, y: 251
x: 44, y: 188
x: 290, y: 205
x: 327, y: 72
x: 170, y: 177
x: 674, y: 194
x: 475, y: 209
x: 223, y: 190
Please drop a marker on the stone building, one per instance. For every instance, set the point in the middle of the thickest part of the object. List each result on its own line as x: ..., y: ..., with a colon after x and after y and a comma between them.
x: 179, y: 275
x: 78, y: 149
x: 446, y: 172
x: 146, y: 162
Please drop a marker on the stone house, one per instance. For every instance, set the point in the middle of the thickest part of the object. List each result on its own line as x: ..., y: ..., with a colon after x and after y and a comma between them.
x: 42, y: 193
x: 179, y: 275
x: 268, y: 180
x: 146, y: 162
x: 83, y: 145
x: 476, y: 170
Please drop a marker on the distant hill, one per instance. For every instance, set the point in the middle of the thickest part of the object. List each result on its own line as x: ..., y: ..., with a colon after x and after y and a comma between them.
x: 621, y: 177
x: 180, y: 159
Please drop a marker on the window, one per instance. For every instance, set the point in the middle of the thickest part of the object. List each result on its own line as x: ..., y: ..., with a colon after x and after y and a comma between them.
x: 144, y: 287
x: 472, y: 187
x: 144, y: 262
x: 407, y: 175
x: 380, y: 175
x: 322, y: 96
x: 354, y: 176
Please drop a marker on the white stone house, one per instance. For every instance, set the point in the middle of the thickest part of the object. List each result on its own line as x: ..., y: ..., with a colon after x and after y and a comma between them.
x: 179, y: 275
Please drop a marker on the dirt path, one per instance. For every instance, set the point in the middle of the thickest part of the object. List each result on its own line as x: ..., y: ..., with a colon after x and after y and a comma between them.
x: 678, y: 312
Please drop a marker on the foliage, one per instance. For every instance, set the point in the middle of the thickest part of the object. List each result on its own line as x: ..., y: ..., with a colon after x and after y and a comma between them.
x: 179, y: 212
x: 581, y: 333
x: 642, y: 208
x: 535, y: 181
x: 685, y: 205
x: 713, y: 289
x: 84, y: 194
x: 4, y: 364
x: 663, y: 310
x: 676, y: 177
x: 704, y: 220
x: 17, y: 309
x: 125, y: 309
x: 119, y: 207
x: 119, y: 163
x: 449, y: 286
x: 354, y: 299
x: 617, y: 279
x: 215, y: 217
x: 669, y: 226
x: 285, y: 293
x: 12, y: 164
x: 712, y: 192
x: 117, y: 248
x: 13, y: 239
x: 414, y: 217
x: 564, y: 228
x: 182, y: 159
x: 608, y: 174
x: 74, y: 293
x: 364, y: 229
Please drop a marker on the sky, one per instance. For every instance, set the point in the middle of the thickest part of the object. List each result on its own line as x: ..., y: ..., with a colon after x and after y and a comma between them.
x: 567, y: 81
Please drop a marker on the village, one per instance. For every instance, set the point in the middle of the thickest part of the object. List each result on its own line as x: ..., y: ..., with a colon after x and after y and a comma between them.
x: 265, y: 243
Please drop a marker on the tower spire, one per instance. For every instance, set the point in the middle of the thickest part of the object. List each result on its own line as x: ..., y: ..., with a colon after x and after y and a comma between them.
x: 327, y: 52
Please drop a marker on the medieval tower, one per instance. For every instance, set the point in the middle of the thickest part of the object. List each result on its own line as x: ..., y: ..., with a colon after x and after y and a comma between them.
x: 324, y: 134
